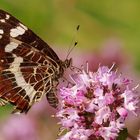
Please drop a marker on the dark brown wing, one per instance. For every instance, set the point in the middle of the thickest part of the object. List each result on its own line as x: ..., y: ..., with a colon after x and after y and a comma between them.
x: 27, y: 64
x: 25, y: 75
x: 10, y: 25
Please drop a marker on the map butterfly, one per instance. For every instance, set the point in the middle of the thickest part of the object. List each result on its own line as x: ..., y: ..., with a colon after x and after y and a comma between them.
x: 29, y: 68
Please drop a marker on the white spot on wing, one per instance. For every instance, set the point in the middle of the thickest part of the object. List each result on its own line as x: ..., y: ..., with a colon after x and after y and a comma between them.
x: 2, y: 20
x: 15, y: 68
x: 0, y: 36
x: 7, y: 16
x: 2, y: 60
x: 10, y: 47
x: 17, y: 31
x: 1, y: 31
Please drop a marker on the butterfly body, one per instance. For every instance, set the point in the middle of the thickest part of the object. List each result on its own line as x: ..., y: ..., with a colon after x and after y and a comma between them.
x: 29, y: 68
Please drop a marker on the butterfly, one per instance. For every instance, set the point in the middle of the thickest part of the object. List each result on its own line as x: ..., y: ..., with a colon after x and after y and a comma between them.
x: 29, y: 67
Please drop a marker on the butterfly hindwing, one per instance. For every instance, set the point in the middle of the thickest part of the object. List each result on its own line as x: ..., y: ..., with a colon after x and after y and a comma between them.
x: 22, y: 79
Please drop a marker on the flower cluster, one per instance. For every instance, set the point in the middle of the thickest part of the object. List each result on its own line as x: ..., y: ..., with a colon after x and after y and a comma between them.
x: 96, y: 106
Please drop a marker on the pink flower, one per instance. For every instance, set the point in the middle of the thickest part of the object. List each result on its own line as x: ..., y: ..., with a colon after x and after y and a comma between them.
x: 80, y: 134
x: 19, y: 128
x: 96, y: 106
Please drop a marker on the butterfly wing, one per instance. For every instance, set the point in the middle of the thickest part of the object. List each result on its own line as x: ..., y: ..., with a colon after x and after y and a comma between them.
x: 14, y: 28
x: 27, y: 64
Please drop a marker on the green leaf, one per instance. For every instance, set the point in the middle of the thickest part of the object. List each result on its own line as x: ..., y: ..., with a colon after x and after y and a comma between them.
x: 123, y: 134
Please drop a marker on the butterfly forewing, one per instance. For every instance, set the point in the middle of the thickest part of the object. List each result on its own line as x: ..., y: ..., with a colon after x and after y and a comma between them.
x: 28, y: 66
x: 15, y: 29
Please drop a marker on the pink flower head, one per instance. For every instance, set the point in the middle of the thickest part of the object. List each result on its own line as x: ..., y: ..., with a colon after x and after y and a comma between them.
x: 96, y: 106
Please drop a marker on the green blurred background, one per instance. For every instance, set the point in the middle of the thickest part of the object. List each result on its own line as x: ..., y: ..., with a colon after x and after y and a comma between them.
x: 56, y: 20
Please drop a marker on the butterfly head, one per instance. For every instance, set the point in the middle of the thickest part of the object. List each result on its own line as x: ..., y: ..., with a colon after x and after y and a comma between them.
x: 67, y: 63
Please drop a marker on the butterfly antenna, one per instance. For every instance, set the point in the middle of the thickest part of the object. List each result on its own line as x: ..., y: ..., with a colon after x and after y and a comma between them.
x: 75, y: 43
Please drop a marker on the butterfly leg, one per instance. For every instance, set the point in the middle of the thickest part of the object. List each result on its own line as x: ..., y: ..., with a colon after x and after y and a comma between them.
x: 52, y: 98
